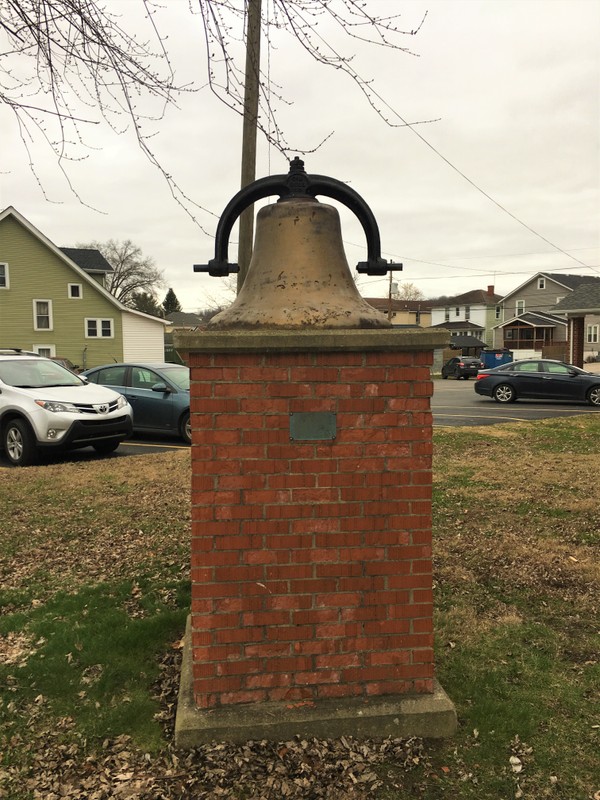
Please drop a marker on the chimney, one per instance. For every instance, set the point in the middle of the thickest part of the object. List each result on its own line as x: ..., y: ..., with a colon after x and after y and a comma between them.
x: 490, y: 290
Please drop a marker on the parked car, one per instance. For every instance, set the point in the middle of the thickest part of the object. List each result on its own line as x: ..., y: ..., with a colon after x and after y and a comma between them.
x: 158, y: 393
x: 539, y: 378
x: 461, y: 367
x: 44, y: 406
x: 67, y: 364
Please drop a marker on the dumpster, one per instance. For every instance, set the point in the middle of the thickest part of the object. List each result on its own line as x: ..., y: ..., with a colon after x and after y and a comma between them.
x: 494, y: 358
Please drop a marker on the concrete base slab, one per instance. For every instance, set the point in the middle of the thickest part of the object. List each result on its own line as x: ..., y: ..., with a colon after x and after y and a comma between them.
x: 423, y: 715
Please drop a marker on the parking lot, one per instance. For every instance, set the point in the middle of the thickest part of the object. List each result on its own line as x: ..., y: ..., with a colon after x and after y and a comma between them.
x: 454, y: 404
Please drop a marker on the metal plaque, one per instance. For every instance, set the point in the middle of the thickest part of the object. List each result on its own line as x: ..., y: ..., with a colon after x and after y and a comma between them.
x: 307, y: 425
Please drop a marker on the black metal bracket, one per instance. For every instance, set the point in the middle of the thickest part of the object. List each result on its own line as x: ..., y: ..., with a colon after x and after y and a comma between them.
x: 296, y: 184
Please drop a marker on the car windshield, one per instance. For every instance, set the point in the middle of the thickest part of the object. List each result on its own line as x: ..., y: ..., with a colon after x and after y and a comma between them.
x: 36, y: 374
x: 179, y: 375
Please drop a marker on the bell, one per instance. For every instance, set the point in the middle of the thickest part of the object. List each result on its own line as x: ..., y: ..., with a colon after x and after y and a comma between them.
x: 298, y: 276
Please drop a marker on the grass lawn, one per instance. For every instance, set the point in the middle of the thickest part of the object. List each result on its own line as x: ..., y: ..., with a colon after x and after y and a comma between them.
x: 94, y: 588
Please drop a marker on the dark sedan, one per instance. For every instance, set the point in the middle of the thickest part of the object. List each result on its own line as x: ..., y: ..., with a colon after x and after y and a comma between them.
x: 462, y: 367
x: 159, y: 395
x: 539, y: 379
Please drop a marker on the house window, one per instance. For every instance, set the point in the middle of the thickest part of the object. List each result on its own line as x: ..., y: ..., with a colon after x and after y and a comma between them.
x: 541, y: 283
x: 457, y: 311
x: 75, y: 291
x: 498, y: 312
x: 467, y: 312
x: 4, y: 276
x: 446, y: 314
x: 99, y: 328
x: 42, y: 315
x: 520, y: 308
x: 592, y: 334
x: 46, y: 350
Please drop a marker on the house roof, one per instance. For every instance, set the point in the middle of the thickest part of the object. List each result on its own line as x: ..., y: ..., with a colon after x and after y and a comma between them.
x: 585, y: 299
x: 383, y: 304
x: 87, y: 258
x: 476, y: 297
x: 535, y: 320
x: 184, y: 318
x: 570, y: 282
x: 460, y: 326
x: 466, y: 341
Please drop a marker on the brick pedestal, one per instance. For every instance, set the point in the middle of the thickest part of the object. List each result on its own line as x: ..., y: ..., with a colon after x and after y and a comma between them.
x: 311, y: 559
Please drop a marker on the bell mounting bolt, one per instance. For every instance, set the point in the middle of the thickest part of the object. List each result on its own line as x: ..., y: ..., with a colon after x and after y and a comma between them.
x: 294, y: 186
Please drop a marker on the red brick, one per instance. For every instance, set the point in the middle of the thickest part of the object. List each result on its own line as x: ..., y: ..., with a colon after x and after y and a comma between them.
x: 266, y: 408
x: 297, y: 546
x: 268, y: 649
x: 315, y: 616
x: 291, y: 664
x: 339, y: 690
x: 296, y: 633
x: 238, y: 573
x: 237, y: 390
x: 268, y: 681
x: 316, y: 678
x: 300, y: 693
x: 316, y: 374
x: 292, y: 602
x: 289, y: 572
x: 241, y: 636
x: 338, y: 661
x: 388, y: 687
x: 239, y: 698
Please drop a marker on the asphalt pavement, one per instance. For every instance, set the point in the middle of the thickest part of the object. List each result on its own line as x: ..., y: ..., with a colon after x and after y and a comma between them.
x: 454, y: 403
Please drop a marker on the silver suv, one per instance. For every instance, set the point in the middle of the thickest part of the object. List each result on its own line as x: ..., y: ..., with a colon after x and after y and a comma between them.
x: 44, y: 406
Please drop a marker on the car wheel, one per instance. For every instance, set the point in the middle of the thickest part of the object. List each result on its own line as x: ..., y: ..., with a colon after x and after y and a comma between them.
x: 19, y: 443
x: 504, y: 393
x: 106, y: 448
x: 445, y: 376
x: 185, y: 428
x: 466, y: 377
x: 593, y: 396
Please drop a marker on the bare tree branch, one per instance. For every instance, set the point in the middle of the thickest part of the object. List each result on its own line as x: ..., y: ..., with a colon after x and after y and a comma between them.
x: 133, y: 273
x: 68, y: 66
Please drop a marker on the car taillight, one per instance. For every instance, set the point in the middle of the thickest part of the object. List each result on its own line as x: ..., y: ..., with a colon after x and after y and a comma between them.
x: 461, y: 364
x: 479, y: 377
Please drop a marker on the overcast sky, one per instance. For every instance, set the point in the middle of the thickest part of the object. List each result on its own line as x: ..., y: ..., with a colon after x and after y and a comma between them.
x: 513, y: 84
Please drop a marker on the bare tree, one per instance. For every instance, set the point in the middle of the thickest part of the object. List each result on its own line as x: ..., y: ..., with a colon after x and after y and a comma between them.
x: 408, y: 291
x: 66, y: 65
x: 133, y: 273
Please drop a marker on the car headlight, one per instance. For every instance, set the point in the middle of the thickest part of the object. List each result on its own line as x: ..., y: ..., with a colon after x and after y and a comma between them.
x: 57, y: 407
x: 121, y: 402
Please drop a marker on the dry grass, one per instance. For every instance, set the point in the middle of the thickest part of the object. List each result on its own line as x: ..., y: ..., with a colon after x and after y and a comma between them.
x: 517, y: 575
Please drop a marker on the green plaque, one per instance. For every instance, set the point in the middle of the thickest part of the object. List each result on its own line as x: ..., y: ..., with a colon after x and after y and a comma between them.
x: 312, y: 425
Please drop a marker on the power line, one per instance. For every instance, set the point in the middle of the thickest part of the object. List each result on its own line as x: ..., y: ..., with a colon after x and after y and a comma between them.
x: 493, y: 274
x: 371, y: 91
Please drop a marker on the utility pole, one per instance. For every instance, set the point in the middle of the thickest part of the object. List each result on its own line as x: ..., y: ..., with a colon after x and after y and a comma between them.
x: 251, y: 94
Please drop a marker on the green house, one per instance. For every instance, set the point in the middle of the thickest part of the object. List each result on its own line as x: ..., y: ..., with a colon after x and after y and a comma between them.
x: 53, y: 301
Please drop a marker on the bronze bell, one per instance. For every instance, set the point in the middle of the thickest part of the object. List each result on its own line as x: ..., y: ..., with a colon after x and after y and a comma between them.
x: 298, y: 276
